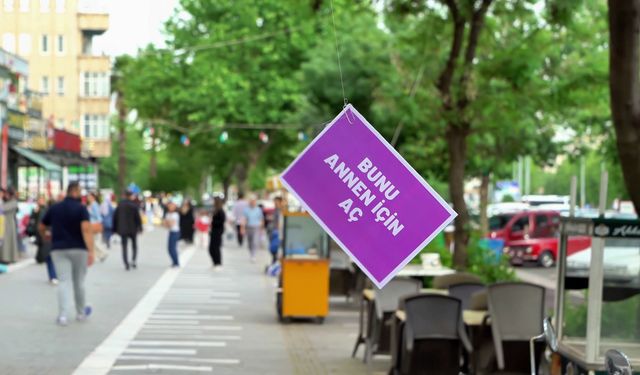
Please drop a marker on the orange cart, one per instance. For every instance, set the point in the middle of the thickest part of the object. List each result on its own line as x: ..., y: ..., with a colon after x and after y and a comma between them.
x: 304, y: 280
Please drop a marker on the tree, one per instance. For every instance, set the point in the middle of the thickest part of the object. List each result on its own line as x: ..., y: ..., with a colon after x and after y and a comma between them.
x: 117, y: 83
x: 624, y: 85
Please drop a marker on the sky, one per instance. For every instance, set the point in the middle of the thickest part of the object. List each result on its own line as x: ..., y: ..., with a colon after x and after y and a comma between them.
x: 133, y: 24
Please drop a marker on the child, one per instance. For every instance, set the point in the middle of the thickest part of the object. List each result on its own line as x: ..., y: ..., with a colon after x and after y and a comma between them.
x: 203, y: 222
x: 172, y: 222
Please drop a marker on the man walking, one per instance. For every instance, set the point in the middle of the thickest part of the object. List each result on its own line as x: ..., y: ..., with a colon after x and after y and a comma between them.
x: 71, y: 250
x: 127, y: 223
x: 254, y: 219
x: 239, y: 208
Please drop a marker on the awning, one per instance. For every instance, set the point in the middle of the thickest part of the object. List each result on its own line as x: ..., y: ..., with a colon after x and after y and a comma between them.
x: 38, y: 159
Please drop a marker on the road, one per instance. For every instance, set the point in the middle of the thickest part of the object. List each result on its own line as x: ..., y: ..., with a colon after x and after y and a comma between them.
x: 174, y: 321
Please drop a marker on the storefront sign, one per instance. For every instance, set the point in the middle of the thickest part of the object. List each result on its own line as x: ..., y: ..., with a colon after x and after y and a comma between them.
x: 366, y: 196
x: 616, y: 228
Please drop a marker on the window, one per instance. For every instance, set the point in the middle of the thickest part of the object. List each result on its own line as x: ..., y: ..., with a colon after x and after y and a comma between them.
x: 8, y: 5
x: 45, y: 5
x: 25, y: 44
x: 95, y: 126
x: 520, y: 224
x: 61, y: 86
x: 60, y: 44
x: 541, y: 220
x: 94, y: 84
x: 9, y: 42
x: 44, y: 85
x: 59, y: 6
x: 24, y: 5
x: 44, y: 43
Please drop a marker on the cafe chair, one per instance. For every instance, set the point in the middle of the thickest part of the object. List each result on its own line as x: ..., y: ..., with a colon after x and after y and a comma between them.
x: 516, y: 311
x: 445, y: 281
x: 479, y: 301
x: 465, y: 291
x: 378, y: 340
x: 434, y: 335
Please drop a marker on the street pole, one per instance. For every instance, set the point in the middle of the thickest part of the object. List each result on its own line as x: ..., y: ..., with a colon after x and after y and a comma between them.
x: 583, y: 187
x: 527, y: 175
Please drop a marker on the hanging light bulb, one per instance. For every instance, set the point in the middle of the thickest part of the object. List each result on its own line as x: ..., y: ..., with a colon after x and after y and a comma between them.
x: 224, y: 136
x: 264, y: 137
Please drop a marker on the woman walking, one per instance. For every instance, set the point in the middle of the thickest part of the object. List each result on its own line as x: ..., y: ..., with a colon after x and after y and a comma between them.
x: 217, y: 229
x: 10, y: 248
x: 44, y: 242
x: 95, y: 217
x: 187, y: 222
x: 172, y: 222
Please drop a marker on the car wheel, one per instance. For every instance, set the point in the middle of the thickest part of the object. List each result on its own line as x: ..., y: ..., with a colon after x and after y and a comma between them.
x: 546, y: 259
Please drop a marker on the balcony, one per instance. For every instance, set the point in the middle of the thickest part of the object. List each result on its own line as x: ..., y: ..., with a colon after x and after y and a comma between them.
x: 97, y: 148
x: 94, y: 24
x: 91, y: 63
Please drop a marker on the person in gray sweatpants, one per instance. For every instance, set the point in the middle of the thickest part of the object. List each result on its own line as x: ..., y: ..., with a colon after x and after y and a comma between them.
x: 71, y: 250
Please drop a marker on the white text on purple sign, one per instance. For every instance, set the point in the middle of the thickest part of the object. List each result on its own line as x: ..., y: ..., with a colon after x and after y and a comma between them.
x: 367, y: 196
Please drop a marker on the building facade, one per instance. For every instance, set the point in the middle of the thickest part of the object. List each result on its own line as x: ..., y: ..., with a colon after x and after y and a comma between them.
x: 56, y: 38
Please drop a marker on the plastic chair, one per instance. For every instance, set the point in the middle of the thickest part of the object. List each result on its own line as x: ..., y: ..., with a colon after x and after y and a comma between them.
x: 517, y: 312
x: 434, y: 335
x: 465, y: 291
x: 385, y: 305
x: 445, y: 281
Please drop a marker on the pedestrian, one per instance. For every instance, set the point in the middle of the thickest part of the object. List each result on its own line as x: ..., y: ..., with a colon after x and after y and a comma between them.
x: 203, y: 222
x: 95, y: 217
x: 253, y: 221
x: 72, y: 251
x: 127, y: 223
x: 239, y: 207
x: 43, y: 243
x: 274, y: 229
x: 186, y: 222
x: 10, y: 248
x: 218, y: 220
x: 108, y: 211
x: 172, y: 222
x: 149, y: 212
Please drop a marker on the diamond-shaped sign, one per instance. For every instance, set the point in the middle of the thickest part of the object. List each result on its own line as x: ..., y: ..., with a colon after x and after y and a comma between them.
x: 366, y: 196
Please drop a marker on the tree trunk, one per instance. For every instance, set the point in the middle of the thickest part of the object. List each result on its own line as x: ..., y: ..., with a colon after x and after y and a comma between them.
x: 225, y: 187
x: 153, y: 162
x: 484, y: 202
x: 624, y: 86
x: 242, y: 175
x: 457, y: 142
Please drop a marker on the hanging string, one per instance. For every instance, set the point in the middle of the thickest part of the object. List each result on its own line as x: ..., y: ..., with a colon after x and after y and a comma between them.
x: 335, y: 35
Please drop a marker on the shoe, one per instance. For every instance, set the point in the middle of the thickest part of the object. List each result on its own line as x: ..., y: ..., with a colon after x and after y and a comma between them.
x: 134, y: 265
x: 53, y: 282
x: 217, y: 268
x: 126, y: 267
x: 62, y: 321
x: 85, y: 314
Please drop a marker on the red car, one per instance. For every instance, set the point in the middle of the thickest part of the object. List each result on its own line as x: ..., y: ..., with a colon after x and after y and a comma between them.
x: 543, y: 250
x: 522, y: 225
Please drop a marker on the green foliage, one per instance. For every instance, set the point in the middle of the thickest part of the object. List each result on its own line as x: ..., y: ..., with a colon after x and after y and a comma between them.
x: 482, y: 262
x: 618, y: 320
x: 137, y: 160
x: 486, y: 264
x: 507, y: 198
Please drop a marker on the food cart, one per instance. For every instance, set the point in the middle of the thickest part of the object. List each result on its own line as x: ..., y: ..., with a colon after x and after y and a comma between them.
x: 304, y: 280
x: 598, y: 299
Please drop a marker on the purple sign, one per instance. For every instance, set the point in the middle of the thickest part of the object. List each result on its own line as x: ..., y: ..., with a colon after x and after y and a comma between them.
x: 366, y: 196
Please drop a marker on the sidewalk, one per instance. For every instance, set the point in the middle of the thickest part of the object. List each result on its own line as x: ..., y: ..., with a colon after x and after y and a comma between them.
x: 184, y: 321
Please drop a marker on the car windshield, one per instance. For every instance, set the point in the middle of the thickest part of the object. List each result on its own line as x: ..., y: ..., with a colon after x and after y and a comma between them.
x: 499, y: 221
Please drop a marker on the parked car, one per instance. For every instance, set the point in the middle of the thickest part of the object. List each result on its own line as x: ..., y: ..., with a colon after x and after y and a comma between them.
x: 621, y: 264
x: 524, y: 225
x: 544, y: 251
